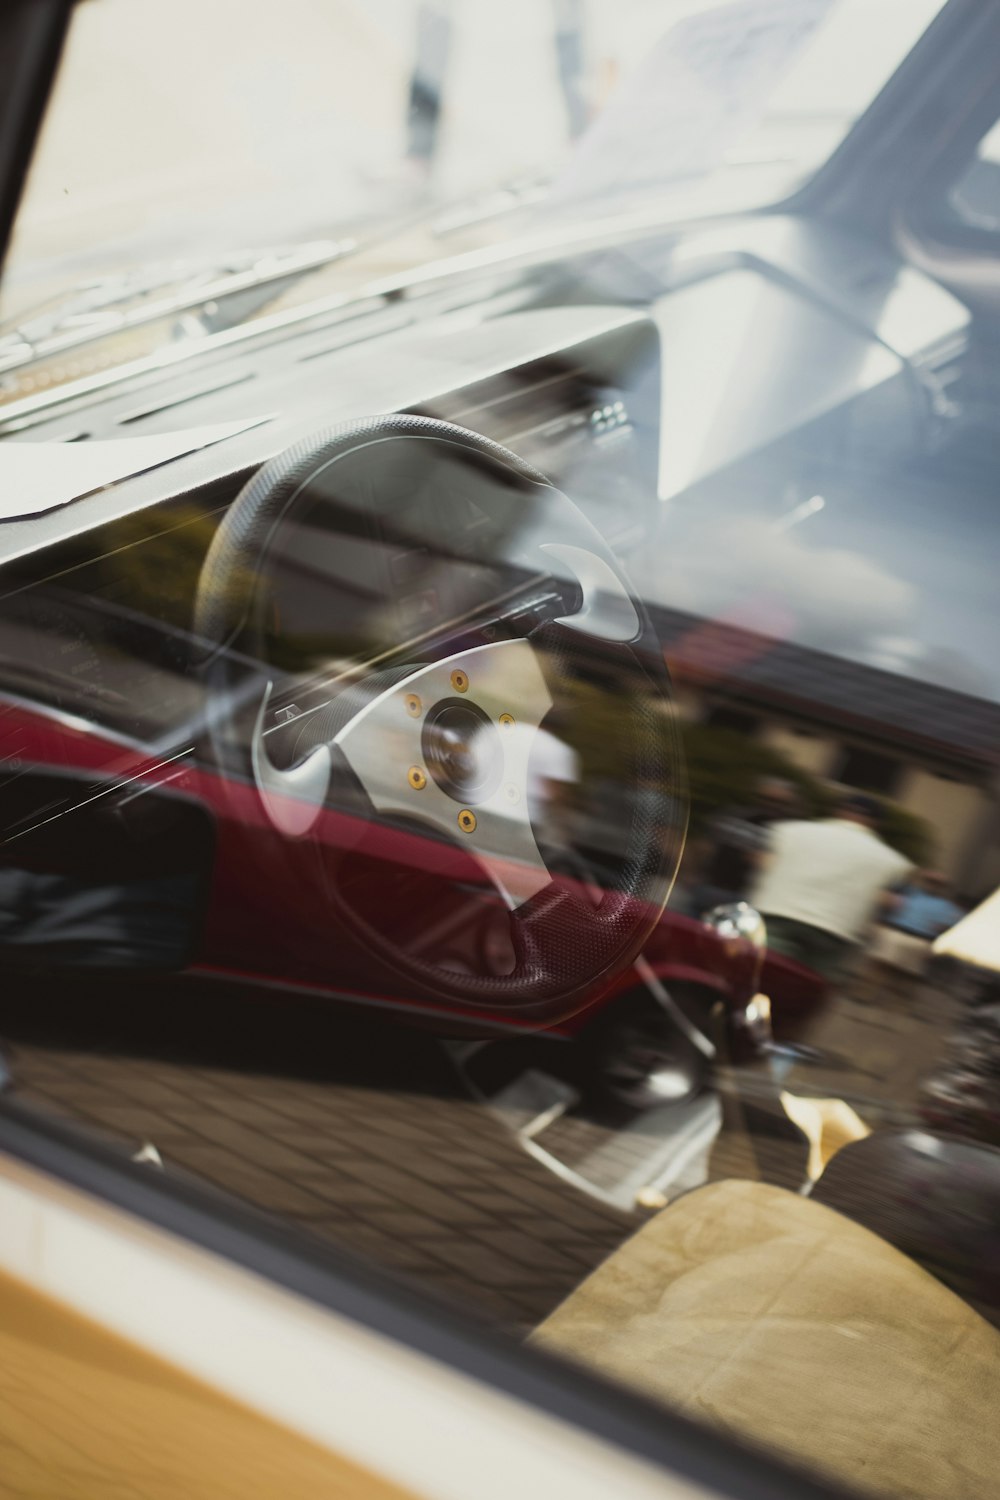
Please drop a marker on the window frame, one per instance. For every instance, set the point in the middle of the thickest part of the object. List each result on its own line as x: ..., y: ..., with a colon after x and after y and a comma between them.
x: 337, y: 1281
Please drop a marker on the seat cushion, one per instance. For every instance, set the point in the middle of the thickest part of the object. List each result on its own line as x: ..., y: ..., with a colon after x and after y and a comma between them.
x: 783, y: 1323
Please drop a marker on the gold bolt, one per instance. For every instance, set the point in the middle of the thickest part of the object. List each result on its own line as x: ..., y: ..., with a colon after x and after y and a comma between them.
x: 506, y: 721
x: 413, y: 705
x: 511, y: 792
x: 416, y: 778
x: 467, y: 821
x: 460, y: 682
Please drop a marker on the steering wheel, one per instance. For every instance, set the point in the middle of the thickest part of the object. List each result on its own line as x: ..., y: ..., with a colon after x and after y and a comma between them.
x: 446, y: 744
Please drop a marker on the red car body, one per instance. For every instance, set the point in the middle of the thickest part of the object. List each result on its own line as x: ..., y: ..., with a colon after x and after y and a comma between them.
x: 264, y: 921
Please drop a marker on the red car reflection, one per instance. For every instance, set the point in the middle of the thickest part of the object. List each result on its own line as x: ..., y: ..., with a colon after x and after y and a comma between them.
x: 246, y: 904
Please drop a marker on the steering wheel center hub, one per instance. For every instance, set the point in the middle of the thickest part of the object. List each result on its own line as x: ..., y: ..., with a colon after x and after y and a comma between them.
x: 462, y: 750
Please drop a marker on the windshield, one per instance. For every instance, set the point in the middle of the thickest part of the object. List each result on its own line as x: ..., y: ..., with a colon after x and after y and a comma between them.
x: 396, y: 133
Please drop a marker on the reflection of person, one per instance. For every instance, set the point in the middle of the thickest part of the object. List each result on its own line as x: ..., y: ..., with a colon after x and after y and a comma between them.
x: 737, y: 839
x: 923, y: 908
x: 920, y: 911
x: 553, y: 779
x: 553, y: 770
x: 434, y: 45
x: 429, y: 67
x: 553, y: 775
x: 742, y: 835
x: 822, y: 883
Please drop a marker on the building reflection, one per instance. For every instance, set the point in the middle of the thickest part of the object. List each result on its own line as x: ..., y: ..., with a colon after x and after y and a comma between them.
x: 796, y: 755
x: 928, y: 753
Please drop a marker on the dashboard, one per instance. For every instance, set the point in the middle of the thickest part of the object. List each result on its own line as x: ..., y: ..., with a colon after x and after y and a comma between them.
x: 623, y: 408
x: 98, y: 623
x: 689, y: 386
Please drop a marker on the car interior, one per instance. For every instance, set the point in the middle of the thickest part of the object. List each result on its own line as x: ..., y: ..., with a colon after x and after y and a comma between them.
x: 369, y: 682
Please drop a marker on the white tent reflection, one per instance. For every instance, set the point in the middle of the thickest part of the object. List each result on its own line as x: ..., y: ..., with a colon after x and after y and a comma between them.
x: 976, y: 938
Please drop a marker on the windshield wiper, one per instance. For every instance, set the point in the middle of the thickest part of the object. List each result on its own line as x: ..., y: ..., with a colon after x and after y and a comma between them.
x: 221, y: 293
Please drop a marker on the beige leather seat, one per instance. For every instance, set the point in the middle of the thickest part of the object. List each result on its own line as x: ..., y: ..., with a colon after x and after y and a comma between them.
x: 779, y: 1321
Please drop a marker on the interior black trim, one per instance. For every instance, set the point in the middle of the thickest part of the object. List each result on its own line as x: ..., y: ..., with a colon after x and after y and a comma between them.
x: 351, y: 1288
x: 32, y: 33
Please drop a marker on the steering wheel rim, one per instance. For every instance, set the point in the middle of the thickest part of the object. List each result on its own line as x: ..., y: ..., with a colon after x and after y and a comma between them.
x: 564, y: 945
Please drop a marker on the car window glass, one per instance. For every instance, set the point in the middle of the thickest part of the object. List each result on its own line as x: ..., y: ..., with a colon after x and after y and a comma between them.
x: 520, y: 810
x: 259, y: 188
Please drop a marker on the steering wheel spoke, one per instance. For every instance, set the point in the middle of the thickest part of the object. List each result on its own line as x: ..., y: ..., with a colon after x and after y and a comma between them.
x: 450, y: 745
x: 293, y: 797
x: 607, y: 611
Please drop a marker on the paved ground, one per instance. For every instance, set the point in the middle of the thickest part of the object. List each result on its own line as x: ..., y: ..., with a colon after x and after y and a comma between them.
x: 364, y: 1134
x: 355, y: 1133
